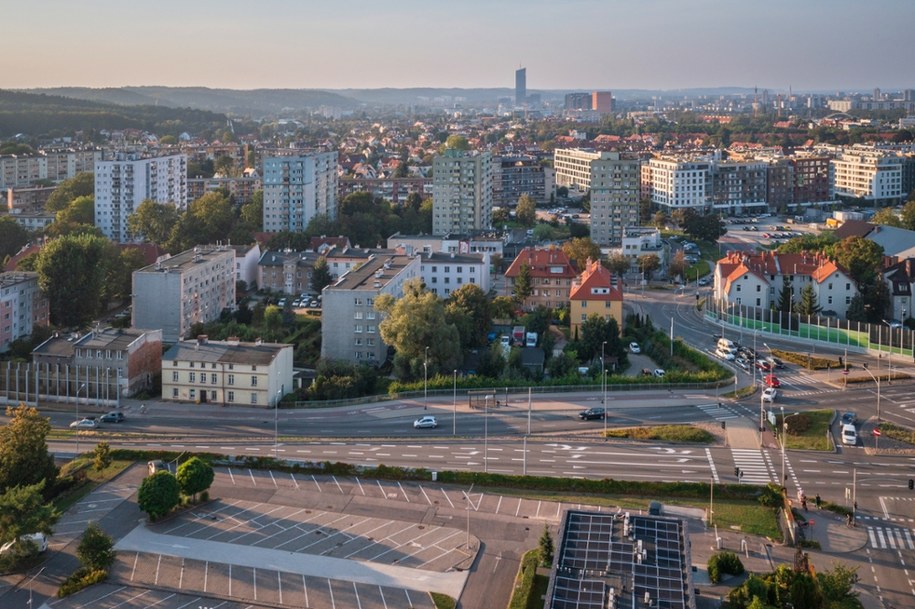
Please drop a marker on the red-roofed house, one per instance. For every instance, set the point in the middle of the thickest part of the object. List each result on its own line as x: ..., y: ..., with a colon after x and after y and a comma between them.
x: 595, y: 292
x: 551, y: 274
x: 756, y: 280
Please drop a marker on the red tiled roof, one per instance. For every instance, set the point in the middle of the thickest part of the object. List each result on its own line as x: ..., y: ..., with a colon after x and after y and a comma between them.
x: 541, y: 261
x: 595, y: 276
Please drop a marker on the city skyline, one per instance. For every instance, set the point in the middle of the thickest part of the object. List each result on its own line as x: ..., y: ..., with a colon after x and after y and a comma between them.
x: 576, y: 44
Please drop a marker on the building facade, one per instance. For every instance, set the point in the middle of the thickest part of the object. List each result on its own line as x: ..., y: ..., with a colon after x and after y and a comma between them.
x: 551, y: 274
x: 595, y: 292
x: 122, y: 184
x: 678, y: 184
x: 395, y: 190
x: 514, y: 176
x: 461, y: 192
x: 195, y: 286
x: 230, y: 373
x: 520, y: 86
x: 444, y: 273
x: 286, y: 271
x: 241, y: 189
x: 739, y: 188
x: 602, y: 102
x: 22, y: 306
x: 867, y: 173
x: 297, y: 188
x: 349, y: 325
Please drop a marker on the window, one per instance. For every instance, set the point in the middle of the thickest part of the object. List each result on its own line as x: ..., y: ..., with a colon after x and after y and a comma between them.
x: 192, y: 377
x: 758, y: 289
x: 212, y: 396
x: 231, y: 379
x: 192, y: 393
x: 253, y: 381
x: 203, y: 378
x: 174, y: 392
x: 174, y: 376
x: 213, y: 378
x: 230, y: 397
x: 254, y: 398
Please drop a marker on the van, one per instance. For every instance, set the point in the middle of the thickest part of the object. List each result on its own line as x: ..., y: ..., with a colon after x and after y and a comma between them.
x: 849, y: 434
x: 726, y: 344
x: 39, y: 539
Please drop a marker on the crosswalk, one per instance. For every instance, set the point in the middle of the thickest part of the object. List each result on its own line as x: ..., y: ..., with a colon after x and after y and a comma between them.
x: 754, y: 464
x: 718, y: 411
x: 890, y: 538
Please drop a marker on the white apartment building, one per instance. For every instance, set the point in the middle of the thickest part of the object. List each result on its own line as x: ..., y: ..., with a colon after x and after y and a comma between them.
x: 297, y: 188
x: 444, y: 273
x: 349, y: 321
x: 175, y: 293
x: 678, y: 184
x: 246, y: 259
x: 491, y: 244
x: 461, y: 192
x: 573, y: 167
x: 230, y: 373
x: 19, y: 171
x: 22, y: 306
x: 121, y: 185
x: 868, y: 173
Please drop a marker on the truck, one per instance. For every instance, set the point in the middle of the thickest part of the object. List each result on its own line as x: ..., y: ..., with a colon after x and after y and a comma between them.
x: 530, y: 339
x: 518, y: 335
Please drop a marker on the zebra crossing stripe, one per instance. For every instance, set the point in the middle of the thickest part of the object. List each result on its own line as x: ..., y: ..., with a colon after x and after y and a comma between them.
x: 872, y: 537
x: 908, y: 538
x: 890, y: 538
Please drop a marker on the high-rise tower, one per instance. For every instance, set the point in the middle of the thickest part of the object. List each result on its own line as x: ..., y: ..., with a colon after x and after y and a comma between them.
x: 520, y: 86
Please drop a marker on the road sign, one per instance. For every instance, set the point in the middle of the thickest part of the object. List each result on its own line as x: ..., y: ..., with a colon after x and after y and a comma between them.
x: 845, y: 372
x: 876, y: 432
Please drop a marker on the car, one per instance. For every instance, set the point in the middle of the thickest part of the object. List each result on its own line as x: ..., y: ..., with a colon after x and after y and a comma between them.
x: 849, y: 435
x: 772, y: 381
x: 894, y: 323
x: 39, y: 539
x: 849, y: 418
x: 766, y: 236
x: 769, y: 394
x: 774, y: 362
x: 296, y: 303
x: 725, y: 355
x: 427, y: 422
x: 659, y: 372
x: 113, y: 417
x: 754, y: 228
x: 764, y: 366
x: 634, y: 348
x: 742, y: 363
x: 84, y: 424
x: 704, y: 281
x: 281, y: 302
x: 592, y: 413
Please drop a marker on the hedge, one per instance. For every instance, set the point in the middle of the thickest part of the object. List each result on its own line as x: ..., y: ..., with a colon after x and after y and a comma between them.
x: 723, y: 563
x: 79, y: 579
x: 524, y: 581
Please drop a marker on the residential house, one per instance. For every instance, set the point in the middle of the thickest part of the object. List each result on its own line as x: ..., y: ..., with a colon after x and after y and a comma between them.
x: 444, y: 273
x: 551, y: 275
x: 595, y: 292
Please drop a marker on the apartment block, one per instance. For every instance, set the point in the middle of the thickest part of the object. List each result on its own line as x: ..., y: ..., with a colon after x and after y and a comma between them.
x: 514, y: 176
x: 738, y: 187
x: 297, y: 188
x: 444, y: 273
x: 22, y: 306
x: 230, y: 373
x: 122, y: 184
x: 286, y: 271
x: 195, y: 286
x: 867, y: 173
x: 395, y: 190
x: 602, y: 102
x: 242, y: 189
x: 679, y: 184
x: 461, y: 192
x: 349, y: 325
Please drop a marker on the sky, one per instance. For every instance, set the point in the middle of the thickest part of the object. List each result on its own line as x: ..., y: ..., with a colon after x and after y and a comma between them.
x: 808, y: 45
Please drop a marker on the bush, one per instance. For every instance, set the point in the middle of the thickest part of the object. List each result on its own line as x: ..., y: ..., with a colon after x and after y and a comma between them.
x: 723, y: 563
x: 524, y: 582
x: 95, y: 550
x: 79, y: 579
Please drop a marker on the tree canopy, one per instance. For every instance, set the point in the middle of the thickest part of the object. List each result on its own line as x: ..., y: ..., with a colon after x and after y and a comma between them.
x: 469, y: 309
x: 153, y: 221
x: 580, y: 250
x: 24, y: 456
x: 72, y: 271
x: 80, y: 185
x: 194, y: 476
x: 23, y: 510
x: 12, y: 237
x: 158, y: 494
x: 705, y: 227
x: 526, y: 211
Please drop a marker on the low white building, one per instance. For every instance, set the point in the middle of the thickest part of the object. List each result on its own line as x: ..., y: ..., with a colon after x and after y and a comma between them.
x: 445, y: 273
x: 227, y: 372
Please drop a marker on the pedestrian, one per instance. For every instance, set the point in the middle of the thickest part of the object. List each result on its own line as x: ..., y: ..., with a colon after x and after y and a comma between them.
x: 816, y: 500
x: 804, y: 503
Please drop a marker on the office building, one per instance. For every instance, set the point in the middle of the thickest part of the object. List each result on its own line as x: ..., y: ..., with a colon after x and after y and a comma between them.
x: 122, y: 184
x: 227, y: 372
x: 461, y: 192
x: 22, y: 306
x: 297, y: 188
x: 520, y: 86
x: 602, y: 102
x: 578, y: 101
x: 192, y: 287
x: 349, y: 326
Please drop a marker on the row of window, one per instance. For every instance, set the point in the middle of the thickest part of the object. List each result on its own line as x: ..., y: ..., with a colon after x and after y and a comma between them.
x: 99, y: 354
x: 214, y: 378
x: 213, y: 396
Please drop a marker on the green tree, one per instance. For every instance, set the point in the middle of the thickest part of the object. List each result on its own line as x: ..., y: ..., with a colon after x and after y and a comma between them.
x: 71, y: 272
x: 320, y: 275
x: 24, y: 456
x: 648, y: 264
x: 23, y: 510
x: 659, y: 219
x: 808, y: 303
x: 101, y: 456
x: 580, y: 250
x: 523, y: 286
x: 414, y: 323
x: 526, y: 211
x: 12, y: 237
x: 252, y: 213
x: 457, y: 142
x: 96, y: 549
x: 158, y: 494
x: 908, y: 215
x: 80, y: 185
x: 805, y: 593
x: 786, y: 297
x: 678, y: 265
x: 707, y: 228
x: 215, y: 217
x: 195, y: 476
x: 153, y: 222
x: 808, y: 243
x: 503, y: 307
x: 596, y: 330
x: 861, y: 257
x: 838, y: 583
x: 81, y: 210
x: 618, y: 264
x: 887, y: 217
x: 546, y: 547
x: 469, y: 309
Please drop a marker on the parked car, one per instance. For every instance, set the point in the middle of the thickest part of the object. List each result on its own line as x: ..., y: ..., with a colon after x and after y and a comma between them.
x: 742, y: 363
x: 704, y: 281
x: 113, y: 417
x: 764, y: 366
x: 425, y: 422
x: 84, y: 424
x: 659, y: 372
x: 592, y: 413
x: 849, y: 435
x: 772, y: 381
x: 634, y: 348
x: 39, y: 539
x: 725, y: 355
x: 849, y: 418
x: 769, y: 394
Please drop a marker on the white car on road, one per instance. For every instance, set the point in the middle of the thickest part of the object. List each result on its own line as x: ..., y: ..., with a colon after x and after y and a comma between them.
x: 769, y: 394
x: 425, y: 422
x: 84, y: 424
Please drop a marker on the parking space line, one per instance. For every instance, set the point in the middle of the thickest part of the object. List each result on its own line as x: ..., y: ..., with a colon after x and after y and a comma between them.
x: 279, y: 586
x: 158, y: 564
x: 356, y: 591
x: 409, y: 601
x: 294, y: 481
x: 367, y: 534
x: 447, y: 497
x: 254, y: 580
x: 383, y: 602
x: 251, y: 473
x: 231, y: 477
x: 360, y: 486
x: 181, y: 575
x: 206, y: 574
x: 196, y: 600
x: 389, y: 537
x: 331, y: 588
x: 518, y: 509
x: 272, y: 478
x: 381, y: 488
x: 403, y: 491
x: 134, y: 570
x: 230, y: 579
x: 338, y: 485
x: 281, y: 531
x: 498, y: 505
x: 539, y: 503
x: 424, y: 494
x: 558, y: 509
x: 316, y: 482
x: 305, y: 589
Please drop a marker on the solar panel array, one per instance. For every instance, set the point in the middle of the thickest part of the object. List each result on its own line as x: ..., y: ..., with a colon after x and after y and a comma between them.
x: 624, y: 556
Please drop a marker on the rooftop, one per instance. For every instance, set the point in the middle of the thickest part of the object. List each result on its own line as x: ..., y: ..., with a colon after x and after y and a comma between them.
x: 229, y: 352
x: 377, y: 271
x: 186, y: 259
x: 11, y: 278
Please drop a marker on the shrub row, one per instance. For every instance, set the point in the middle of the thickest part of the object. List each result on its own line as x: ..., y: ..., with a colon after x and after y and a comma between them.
x: 897, y: 432
x: 801, y: 359
x: 524, y: 582
x: 669, y: 433
x: 723, y: 563
x: 79, y: 579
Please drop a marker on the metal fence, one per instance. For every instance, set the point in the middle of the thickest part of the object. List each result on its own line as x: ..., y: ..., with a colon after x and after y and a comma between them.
x: 25, y: 382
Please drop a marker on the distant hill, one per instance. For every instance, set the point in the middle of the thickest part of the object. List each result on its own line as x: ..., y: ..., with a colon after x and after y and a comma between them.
x: 38, y: 115
x: 254, y: 103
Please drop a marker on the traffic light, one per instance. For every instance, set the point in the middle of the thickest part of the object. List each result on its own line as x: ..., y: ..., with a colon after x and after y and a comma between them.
x: 911, y: 484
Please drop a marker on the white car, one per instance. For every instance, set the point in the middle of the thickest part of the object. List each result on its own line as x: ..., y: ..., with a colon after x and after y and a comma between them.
x: 39, y: 539
x: 425, y: 422
x: 634, y: 348
x: 769, y: 394
x: 84, y: 424
x: 725, y: 355
x: 659, y: 372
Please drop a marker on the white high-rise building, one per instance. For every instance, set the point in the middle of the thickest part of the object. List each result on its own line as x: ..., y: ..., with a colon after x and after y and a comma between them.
x: 678, y: 184
x: 121, y: 185
x: 461, y: 192
x: 296, y: 188
x: 868, y: 173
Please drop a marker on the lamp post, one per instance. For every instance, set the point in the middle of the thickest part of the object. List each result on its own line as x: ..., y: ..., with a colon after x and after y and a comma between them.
x: 603, y: 385
x: 876, y: 380
x: 485, y: 433
x: 80, y: 388
x: 276, y: 427
x: 454, y: 408
x: 426, y: 379
x: 784, y: 437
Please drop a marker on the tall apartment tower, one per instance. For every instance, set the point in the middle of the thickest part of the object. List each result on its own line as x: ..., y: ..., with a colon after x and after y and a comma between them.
x: 121, y: 185
x: 520, y: 86
x: 602, y: 102
x: 296, y: 188
x: 461, y: 192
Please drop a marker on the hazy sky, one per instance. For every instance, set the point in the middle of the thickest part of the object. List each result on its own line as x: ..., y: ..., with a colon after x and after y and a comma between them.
x: 612, y: 44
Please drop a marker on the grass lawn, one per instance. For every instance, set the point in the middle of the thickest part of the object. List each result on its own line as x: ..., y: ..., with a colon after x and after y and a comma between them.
x: 814, y: 437
x: 443, y: 601
x: 87, y: 479
x: 665, y: 433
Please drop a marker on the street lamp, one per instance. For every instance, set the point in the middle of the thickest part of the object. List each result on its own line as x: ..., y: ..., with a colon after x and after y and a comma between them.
x: 454, y: 408
x: 485, y: 433
x: 784, y: 437
x: 876, y: 380
x: 80, y: 388
x: 603, y: 383
x: 426, y: 379
x: 276, y: 428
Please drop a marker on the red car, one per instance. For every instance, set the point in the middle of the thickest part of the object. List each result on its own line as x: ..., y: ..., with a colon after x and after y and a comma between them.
x: 764, y: 366
x: 772, y: 381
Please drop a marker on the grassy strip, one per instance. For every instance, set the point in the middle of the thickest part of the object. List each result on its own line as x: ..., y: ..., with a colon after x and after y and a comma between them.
x: 809, y: 362
x: 897, y: 432
x: 522, y: 594
x: 443, y: 601
x: 666, y: 433
x: 811, y: 435
x: 85, y: 479
x: 740, y: 393
x: 896, y: 376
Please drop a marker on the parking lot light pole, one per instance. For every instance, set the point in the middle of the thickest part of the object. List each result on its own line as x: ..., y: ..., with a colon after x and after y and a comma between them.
x: 485, y: 432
